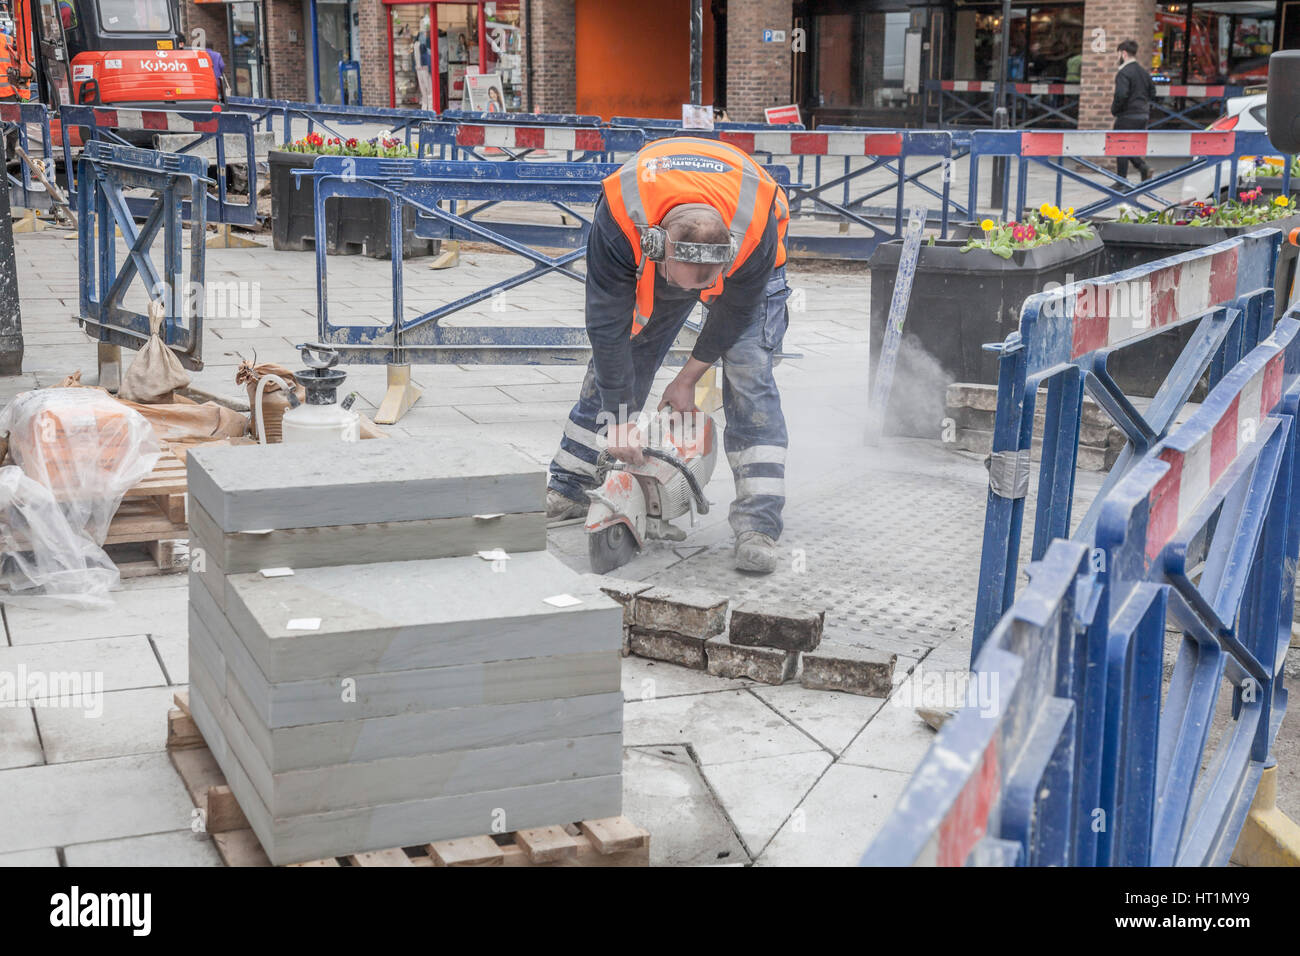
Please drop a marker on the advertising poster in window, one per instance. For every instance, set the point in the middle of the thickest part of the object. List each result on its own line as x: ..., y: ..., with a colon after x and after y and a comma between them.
x: 485, y: 93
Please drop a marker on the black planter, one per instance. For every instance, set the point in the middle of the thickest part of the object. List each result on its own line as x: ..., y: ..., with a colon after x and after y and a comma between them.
x: 960, y: 302
x: 1139, y: 369
x: 352, y: 226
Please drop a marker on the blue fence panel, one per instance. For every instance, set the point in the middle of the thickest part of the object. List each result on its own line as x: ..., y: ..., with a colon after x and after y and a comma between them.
x: 469, y: 141
x: 402, y: 123
x: 1076, y: 753
x: 24, y: 190
x: 107, y: 172
x: 1065, y: 341
x: 107, y: 125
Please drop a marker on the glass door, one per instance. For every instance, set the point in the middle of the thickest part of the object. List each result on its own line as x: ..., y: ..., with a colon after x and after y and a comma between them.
x: 247, y: 75
x: 333, y: 44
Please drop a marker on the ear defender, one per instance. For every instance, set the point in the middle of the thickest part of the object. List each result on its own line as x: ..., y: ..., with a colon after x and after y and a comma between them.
x: 654, y: 246
x: 654, y: 243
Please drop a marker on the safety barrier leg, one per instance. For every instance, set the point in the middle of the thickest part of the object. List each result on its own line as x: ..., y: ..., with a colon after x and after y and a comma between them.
x: 1270, y: 837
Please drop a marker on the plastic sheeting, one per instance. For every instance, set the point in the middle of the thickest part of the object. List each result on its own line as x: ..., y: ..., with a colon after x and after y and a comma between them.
x: 84, y: 446
x: 40, y: 551
x: 77, y: 452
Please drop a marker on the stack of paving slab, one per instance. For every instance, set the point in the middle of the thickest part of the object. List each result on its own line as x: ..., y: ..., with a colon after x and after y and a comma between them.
x: 769, y: 642
x: 364, y: 678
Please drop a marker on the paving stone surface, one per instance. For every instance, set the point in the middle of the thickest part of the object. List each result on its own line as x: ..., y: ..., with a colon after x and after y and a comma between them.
x: 177, y: 848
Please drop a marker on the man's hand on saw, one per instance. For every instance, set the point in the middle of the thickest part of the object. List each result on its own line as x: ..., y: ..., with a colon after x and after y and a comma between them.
x: 624, y: 443
x: 680, y: 396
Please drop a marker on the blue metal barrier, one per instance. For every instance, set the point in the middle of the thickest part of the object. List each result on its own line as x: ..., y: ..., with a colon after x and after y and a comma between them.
x: 102, y: 124
x: 23, y: 190
x: 466, y: 141
x: 523, y: 119
x: 886, y: 150
x: 428, y: 185
x: 1076, y: 754
x: 1065, y: 340
x: 1205, y: 151
x: 107, y: 171
x: 402, y: 123
x: 1057, y: 104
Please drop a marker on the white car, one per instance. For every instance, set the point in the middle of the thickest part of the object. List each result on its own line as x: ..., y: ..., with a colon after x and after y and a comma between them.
x: 1246, y: 114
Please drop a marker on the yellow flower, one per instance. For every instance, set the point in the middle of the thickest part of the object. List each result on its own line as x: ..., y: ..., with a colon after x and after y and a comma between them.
x: 988, y: 225
x: 1281, y: 201
x: 1046, y: 210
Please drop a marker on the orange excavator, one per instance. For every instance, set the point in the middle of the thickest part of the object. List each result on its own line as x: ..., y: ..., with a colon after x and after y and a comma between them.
x: 125, y: 53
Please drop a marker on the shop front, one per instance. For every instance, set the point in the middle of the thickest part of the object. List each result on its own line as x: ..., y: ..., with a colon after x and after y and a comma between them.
x: 1223, y: 42
x: 449, y: 55
x: 241, y: 41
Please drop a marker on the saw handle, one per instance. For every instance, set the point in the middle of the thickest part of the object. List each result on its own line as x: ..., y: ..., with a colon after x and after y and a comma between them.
x: 701, y: 503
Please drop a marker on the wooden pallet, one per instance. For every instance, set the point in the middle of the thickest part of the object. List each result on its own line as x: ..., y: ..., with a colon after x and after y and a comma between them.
x: 147, y: 533
x: 614, y: 841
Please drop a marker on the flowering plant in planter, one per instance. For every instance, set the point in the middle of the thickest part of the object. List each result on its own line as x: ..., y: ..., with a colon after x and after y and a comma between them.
x: 385, y: 147
x: 1245, y: 210
x: 1049, y: 224
x: 1271, y: 167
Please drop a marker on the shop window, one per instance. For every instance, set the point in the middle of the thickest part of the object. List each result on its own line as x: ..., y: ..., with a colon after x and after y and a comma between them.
x: 1043, y: 40
x: 859, y: 60
x: 1214, y: 42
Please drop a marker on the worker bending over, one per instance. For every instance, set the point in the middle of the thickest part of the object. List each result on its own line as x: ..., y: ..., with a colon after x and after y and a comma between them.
x: 685, y: 220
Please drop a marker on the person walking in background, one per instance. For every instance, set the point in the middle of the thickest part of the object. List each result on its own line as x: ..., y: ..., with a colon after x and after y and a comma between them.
x: 1131, y: 107
x: 442, y: 70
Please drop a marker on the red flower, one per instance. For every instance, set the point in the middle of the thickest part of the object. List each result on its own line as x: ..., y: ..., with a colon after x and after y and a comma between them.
x: 1018, y: 234
x: 352, y: 142
x: 1031, y: 232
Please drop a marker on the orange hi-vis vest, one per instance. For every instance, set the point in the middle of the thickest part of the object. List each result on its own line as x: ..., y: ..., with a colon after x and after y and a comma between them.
x: 7, y: 90
x: 679, y: 170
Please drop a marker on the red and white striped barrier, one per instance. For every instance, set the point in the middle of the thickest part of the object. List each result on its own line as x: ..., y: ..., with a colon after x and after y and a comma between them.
x: 1125, y: 143
x: 1108, y: 314
x: 530, y: 137
x: 1193, y: 472
x: 1215, y: 91
x: 815, y: 144
x: 154, y: 120
x: 970, y: 86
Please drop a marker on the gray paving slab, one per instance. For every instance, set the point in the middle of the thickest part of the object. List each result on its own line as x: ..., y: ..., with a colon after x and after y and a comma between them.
x: 393, y: 780
x: 82, y: 667
x: 177, y: 848
x: 896, y: 738
x: 171, y: 650
x: 723, y: 727
x: 47, y: 856
x: 837, y: 821
x: 250, y: 487
x: 377, y: 738
x: 649, y: 680
x: 411, y: 614
x: 91, y: 800
x: 235, y: 552
x: 131, y: 722
x: 340, y: 832
x: 759, y: 795
x: 830, y: 718
x: 292, y: 703
x: 20, y: 744
x: 159, y: 610
x: 665, y: 793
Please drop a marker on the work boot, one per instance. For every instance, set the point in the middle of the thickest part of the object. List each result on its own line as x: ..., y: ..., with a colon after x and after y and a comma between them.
x: 755, y: 551
x: 560, y: 508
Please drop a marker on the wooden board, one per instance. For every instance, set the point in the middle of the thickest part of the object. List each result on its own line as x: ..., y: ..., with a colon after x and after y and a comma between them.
x: 167, y: 478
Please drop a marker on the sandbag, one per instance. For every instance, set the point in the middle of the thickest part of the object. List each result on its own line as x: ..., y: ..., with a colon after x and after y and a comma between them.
x: 155, y: 372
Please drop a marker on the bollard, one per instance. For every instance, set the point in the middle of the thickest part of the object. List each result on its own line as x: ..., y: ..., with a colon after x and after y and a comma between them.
x: 11, y: 322
x: 997, y: 189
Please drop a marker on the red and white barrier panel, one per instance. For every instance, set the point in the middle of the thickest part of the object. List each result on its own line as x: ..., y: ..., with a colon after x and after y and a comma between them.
x: 970, y: 86
x: 1110, y: 313
x: 1189, y: 90
x: 155, y: 120
x: 1193, y: 472
x: 1116, y: 143
x: 816, y: 144
x: 1038, y: 88
x: 530, y: 137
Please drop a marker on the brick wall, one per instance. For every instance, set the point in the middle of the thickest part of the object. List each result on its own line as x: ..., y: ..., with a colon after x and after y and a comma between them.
x: 1106, y: 23
x: 758, y: 73
x: 286, y: 60
x: 554, y: 44
x: 211, y: 19
x: 373, y: 52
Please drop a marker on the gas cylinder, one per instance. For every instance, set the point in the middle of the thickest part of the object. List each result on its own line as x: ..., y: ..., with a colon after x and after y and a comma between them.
x: 320, y: 417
